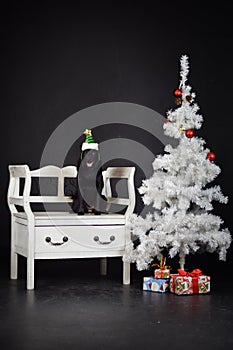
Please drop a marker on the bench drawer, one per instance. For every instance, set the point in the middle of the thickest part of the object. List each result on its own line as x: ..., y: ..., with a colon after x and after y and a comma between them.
x: 63, y: 239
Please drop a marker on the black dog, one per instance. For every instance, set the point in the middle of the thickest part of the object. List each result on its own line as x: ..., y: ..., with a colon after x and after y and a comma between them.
x: 88, y: 197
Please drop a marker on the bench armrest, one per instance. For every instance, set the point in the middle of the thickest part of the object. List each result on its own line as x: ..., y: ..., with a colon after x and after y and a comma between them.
x: 13, y: 195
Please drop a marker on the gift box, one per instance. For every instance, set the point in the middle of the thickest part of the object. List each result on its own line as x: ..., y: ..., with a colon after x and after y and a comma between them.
x: 152, y: 284
x: 158, y: 273
x: 163, y: 270
x: 193, y: 282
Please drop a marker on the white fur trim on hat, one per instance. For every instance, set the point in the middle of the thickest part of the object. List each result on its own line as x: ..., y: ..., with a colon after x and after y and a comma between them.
x: 87, y: 145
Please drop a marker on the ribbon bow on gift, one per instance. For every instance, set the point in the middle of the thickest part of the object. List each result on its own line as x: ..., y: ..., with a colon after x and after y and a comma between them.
x: 194, y: 273
x: 162, y: 265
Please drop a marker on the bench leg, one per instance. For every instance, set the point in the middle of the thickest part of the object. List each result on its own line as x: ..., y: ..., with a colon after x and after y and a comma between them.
x: 103, y: 266
x: 30, y: 273
x: 14, y: 265
x: 14, y: 255
x: 126, y: 273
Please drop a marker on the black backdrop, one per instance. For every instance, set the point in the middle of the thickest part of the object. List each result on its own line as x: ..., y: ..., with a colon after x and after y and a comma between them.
x: 58, y: 58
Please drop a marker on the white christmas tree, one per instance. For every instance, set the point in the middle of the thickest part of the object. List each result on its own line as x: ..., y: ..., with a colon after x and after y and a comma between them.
x: 181, y: 222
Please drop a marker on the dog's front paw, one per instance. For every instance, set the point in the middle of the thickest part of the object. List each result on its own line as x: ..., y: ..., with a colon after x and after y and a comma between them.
x: 96, y: 212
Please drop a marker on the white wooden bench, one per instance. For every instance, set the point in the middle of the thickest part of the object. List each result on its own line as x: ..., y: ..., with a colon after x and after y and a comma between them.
x: 63, y: 234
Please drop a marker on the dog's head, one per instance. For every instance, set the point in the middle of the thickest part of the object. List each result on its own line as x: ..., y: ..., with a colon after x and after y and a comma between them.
x: 90, y: 159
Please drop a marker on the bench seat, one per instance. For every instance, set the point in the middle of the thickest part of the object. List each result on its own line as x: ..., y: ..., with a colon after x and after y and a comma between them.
x: 71, y: 219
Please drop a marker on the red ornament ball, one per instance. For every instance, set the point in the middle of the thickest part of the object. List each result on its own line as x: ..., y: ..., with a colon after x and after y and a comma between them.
x: 178, y: 93
x: 189, y: 133
x: 211, y: 156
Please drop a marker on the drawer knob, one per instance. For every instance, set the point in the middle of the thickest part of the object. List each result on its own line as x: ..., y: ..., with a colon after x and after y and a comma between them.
x: 49, y: 240
x: 97, y: 239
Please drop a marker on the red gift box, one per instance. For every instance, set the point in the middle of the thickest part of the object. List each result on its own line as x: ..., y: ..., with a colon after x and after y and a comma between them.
x: 189, y: 282
x: 163, y: 271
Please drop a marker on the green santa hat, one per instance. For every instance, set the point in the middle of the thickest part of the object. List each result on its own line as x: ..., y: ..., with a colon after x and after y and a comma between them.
x: 89, y: 142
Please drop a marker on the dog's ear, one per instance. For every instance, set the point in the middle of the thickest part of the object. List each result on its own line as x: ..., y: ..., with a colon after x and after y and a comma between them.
x: 82, y: 155
x: 80, y: 160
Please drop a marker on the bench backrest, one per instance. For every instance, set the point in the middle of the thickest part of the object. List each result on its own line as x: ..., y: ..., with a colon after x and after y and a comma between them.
x: 18, y: 172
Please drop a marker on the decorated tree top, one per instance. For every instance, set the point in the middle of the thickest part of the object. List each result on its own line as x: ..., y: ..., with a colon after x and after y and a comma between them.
x: 178, y: 191
x: 185, y: 118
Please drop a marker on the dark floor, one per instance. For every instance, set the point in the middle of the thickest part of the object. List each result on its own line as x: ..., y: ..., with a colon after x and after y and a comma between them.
x: 72, y: 307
